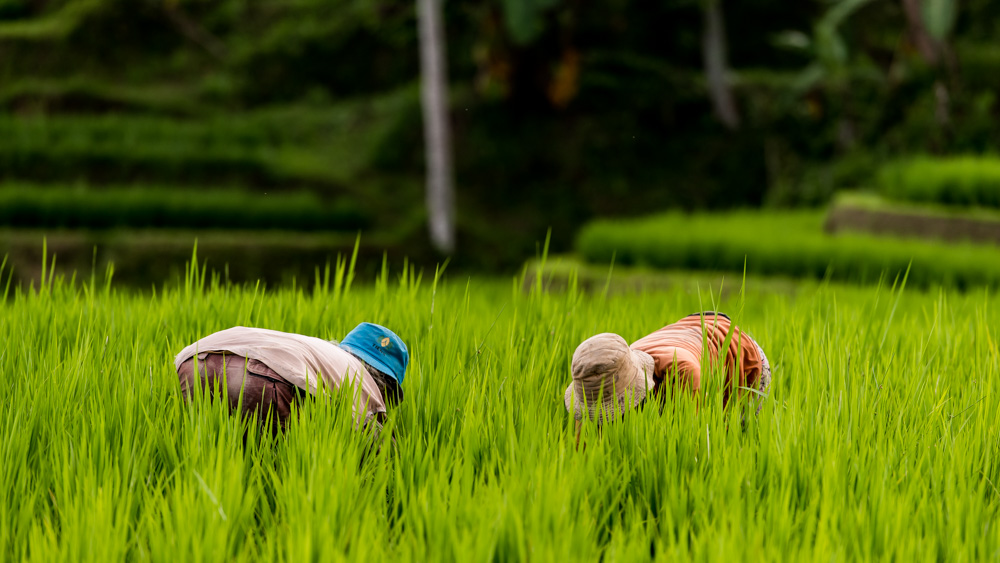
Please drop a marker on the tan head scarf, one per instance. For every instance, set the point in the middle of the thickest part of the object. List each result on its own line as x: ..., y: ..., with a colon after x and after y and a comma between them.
x: 608, y: 374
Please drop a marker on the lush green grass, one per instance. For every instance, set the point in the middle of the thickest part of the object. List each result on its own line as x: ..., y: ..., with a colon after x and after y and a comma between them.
x: 84, y: 92
x: 123, y: 149
x: 291, y: 144
x: 789, y: 243
x: 149, y: 257
x: 24, y: 205
x: 966, y: 181
x: 879, y: 439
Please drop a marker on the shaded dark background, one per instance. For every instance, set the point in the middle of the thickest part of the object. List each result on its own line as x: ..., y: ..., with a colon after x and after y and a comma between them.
x: 562, y: 110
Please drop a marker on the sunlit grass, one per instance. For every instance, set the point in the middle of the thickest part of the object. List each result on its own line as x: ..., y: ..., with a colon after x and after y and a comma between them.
x: 879, y: 438
x: 958, y: 180
x: 784, y: 243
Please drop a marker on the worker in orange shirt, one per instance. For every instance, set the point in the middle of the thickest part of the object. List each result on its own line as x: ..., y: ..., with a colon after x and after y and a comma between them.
x: 612, y: 376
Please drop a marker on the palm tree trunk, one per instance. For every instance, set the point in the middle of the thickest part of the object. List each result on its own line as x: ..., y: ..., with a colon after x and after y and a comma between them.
x: 437, y: 131
x: 713, y: 45
x: 933, y: 51
x: 922, y: 39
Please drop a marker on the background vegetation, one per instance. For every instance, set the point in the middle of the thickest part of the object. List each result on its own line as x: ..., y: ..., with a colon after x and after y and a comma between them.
x: 784, y: 243
x: 562, y: 110
x: 957, y: 181
x: 107, y: 207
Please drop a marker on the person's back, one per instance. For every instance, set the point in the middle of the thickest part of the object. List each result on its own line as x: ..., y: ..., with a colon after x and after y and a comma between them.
x: 272, y: 369
x: 612, y: 376
x: 679, y: 353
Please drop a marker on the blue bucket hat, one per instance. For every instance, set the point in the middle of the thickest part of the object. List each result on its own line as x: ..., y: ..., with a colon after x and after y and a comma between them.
x: 380, y: 348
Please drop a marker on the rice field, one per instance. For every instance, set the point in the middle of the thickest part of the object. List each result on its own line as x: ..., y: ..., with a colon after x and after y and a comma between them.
x: 879, y: 439
x: 784, y: 243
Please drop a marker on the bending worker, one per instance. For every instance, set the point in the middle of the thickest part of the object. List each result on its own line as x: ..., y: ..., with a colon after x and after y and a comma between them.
x: 272, y: 369
x: 610, y: 374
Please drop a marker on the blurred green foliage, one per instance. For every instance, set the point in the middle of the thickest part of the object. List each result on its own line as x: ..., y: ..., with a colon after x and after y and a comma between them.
x: 525, y: 19
x: 784, y: 243
x: 562, y: 110
x: 149, y: 207
x: 960, y: 180
x: 145, y: 257
x: 148, y: 148
x: 939, y: 16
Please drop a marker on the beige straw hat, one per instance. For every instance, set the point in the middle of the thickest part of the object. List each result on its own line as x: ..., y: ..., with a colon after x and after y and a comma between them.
x: 608, y: 374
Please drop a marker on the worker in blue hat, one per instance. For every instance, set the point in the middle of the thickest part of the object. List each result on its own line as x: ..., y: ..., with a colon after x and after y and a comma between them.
x: 272, y: 369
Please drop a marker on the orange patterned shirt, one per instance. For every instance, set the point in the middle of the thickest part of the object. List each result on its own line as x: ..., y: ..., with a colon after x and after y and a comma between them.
x: 678, y: 350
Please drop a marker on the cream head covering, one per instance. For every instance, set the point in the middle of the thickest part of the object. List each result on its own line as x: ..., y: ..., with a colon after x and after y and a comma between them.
x: 608, y: 374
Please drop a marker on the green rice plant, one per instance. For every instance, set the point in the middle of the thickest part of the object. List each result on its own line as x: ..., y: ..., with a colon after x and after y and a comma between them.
x: 129, y: 149
x: 878, y: 441
x: 325, y: 147
x: 93, y: 93
x: 26, y: 205
x: 960, y: 181
x: 784, y: 243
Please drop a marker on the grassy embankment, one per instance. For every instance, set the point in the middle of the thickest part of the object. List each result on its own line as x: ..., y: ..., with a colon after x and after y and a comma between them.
x: 785, y: 243
x: 869, y: 213
x: 34, y: 206
x: 879, y: 439
x: 292, y: 146
x: 143, y: 188
x: 961, y: 181
x: 943, y: 198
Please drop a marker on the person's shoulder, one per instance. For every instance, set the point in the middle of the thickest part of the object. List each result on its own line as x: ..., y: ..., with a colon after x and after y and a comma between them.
x: 239, y: 329
x: 335, y: 353
x: 327, y: 347
x: 713, y: 321
x: 669, y: 331
x: 265, y: 336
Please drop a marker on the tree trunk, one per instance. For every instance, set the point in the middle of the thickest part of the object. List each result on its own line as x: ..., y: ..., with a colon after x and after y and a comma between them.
x: 437, y: 131
x: 713, y: 46
x: 928, y: 47
x: 934, y: 52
